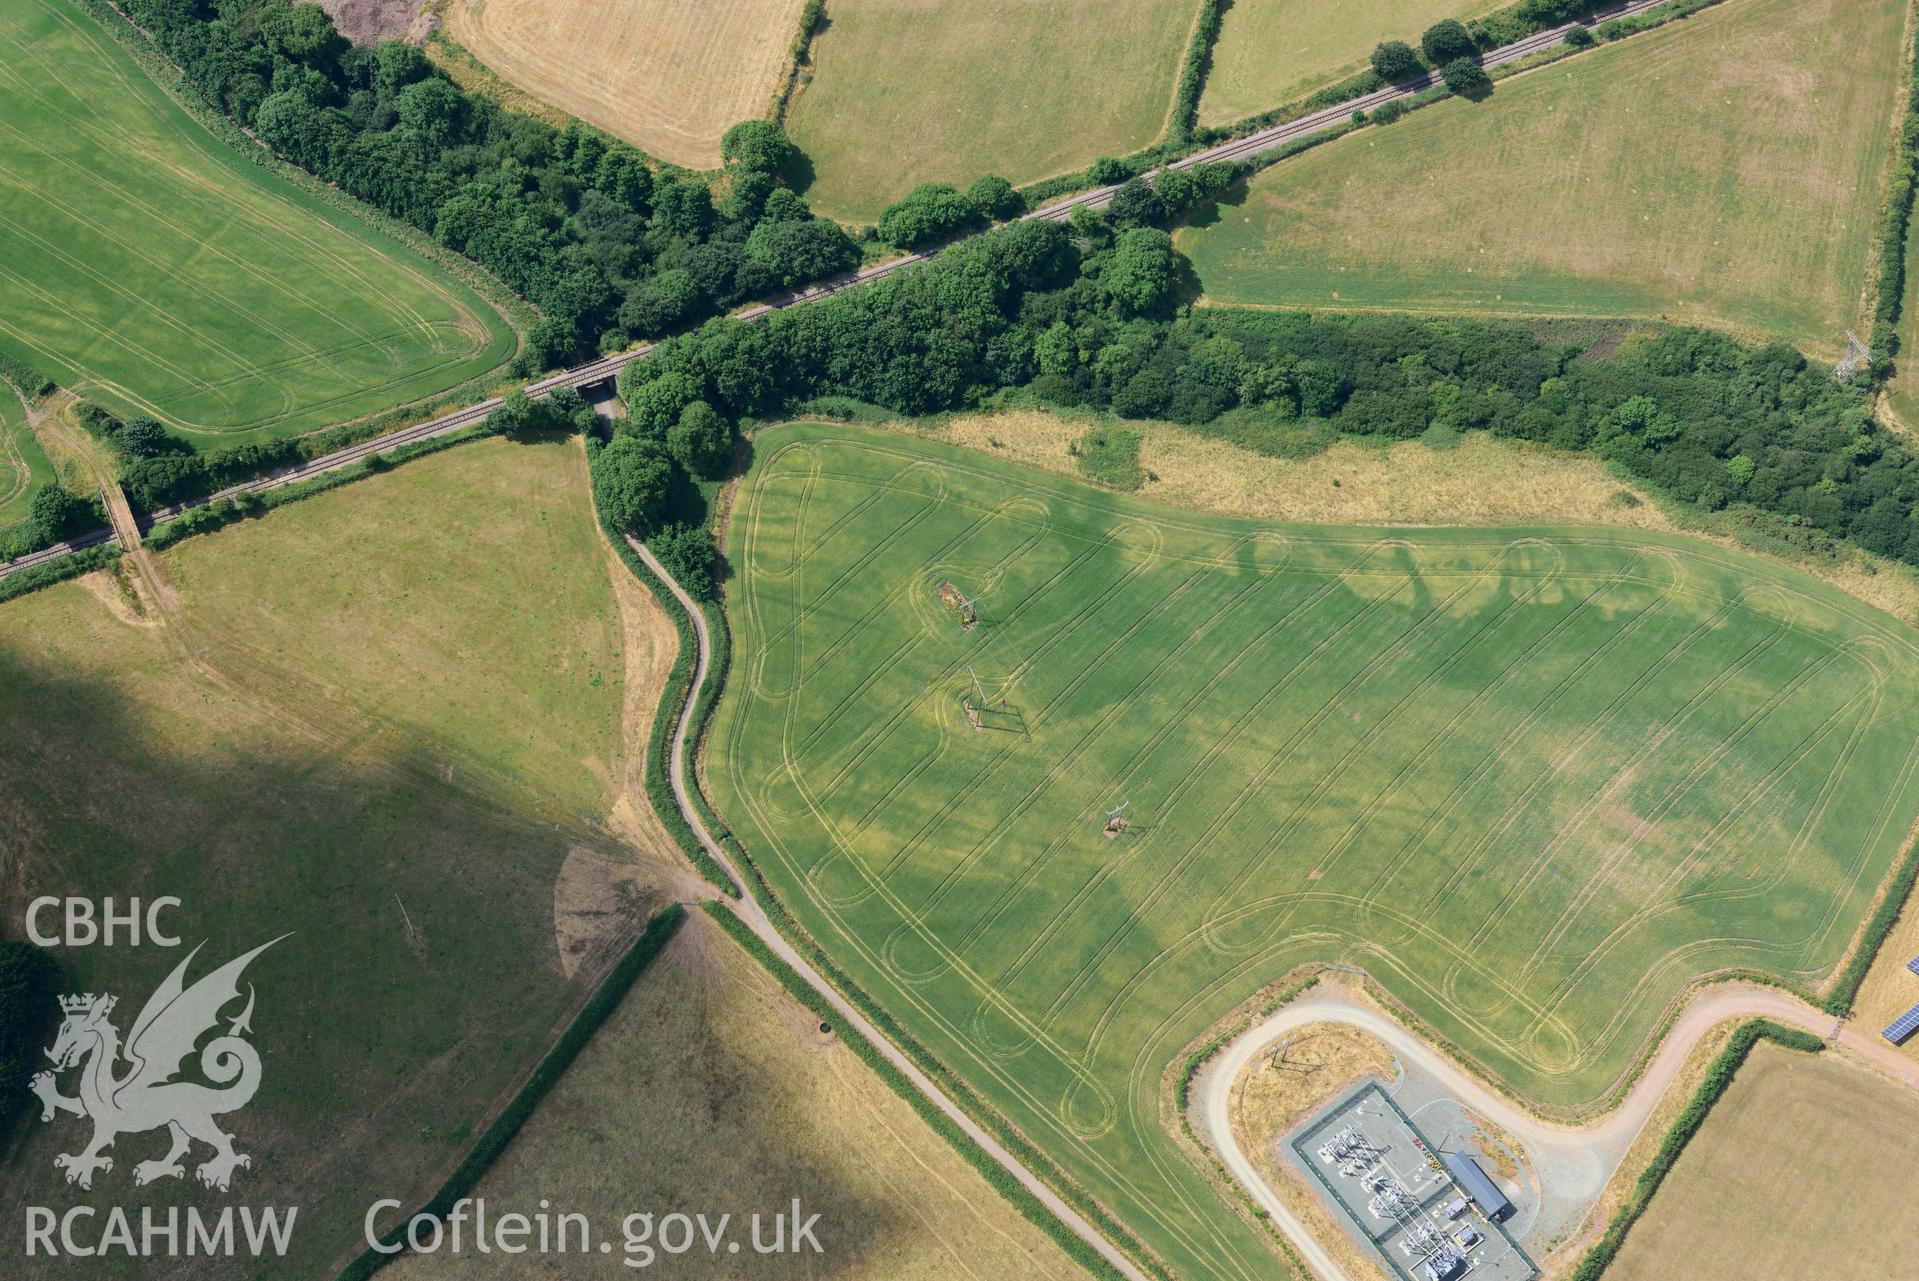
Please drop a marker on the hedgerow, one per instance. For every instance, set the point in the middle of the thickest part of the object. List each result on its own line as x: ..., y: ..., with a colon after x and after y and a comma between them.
x: 60, y: 570
x: 673, y: 695
x: 1192, y: 76
x: 29, y: 380
x: 1895, y: 230
x: 1845, y: 987
x: 1719, y: 1076
x: 1002, y: 1180
x: 494, y: 1139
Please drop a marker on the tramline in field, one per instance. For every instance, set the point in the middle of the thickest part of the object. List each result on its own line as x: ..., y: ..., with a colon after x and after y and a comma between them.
x: 1534, y: 780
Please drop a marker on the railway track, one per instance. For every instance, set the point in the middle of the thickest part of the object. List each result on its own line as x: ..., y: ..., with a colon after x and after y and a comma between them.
x: 607, y: 367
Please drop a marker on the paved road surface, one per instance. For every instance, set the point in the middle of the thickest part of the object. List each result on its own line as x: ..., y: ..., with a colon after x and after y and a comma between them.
x: 749, y: 910
x: 1586, y: 1155
x: 608, y: 366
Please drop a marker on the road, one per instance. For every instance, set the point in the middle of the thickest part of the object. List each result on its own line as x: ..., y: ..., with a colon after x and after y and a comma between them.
x: 606, y: 367
x: 1587, y: 1154
x: 754, y: 916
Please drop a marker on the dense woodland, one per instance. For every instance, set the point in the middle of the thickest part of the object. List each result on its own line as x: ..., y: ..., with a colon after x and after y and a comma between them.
x: 1083, y: 315
x: 1089, y: 315
x: 578, y: 223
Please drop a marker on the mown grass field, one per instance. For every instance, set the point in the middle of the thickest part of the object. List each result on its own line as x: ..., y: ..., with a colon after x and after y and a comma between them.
x: 156, y: 271
x: 23, y: 464
x: 1804, y: 1169
x: 670, y: 78
x: 1534, y: 779
x: 906, y: 92
x: 1725, y: 170
x: 1271, y: 52
x: 306, y: 745
x: 711, y: 1091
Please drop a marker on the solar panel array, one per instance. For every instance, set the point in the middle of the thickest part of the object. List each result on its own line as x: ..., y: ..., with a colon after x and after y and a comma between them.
x: 1913, y: 965
x: 1903, y: 1026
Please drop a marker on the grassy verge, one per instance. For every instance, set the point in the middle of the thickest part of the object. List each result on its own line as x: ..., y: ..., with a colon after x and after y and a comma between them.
x: 1192, y: 75
x: 1895, y: 232
x: 799, y: 56
x: 995, y: 1174
x: 1719, y: 1076
x: 493, y: 1141
x: 58, y: 571
x: 1845, y: 987
x: 673, y: 695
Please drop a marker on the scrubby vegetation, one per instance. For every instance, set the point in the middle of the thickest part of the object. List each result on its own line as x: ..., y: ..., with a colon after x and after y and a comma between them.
x: 1087, y: 317
x: 573, y: 220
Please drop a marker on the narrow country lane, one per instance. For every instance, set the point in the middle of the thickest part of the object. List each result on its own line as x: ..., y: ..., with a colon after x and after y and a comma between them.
x: 748, y: 909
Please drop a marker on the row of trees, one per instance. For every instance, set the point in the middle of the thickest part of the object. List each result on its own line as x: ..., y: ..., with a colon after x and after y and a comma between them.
x: 1088, y: 315
x: 1448, y: 46
x: 577, y: 222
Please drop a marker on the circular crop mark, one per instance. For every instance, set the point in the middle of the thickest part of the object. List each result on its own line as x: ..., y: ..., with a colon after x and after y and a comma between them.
x: 1552, y: 1048
x: 997, y: 1034
x: 780, y: 797
x: 912, y: 956
x: 773, y: 674
x: 1088, y: 1110
x: 1475, y: 993
x: 840, y: 882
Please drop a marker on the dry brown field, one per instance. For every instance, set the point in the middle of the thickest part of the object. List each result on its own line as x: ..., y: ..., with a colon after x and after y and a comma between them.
x: 710, y: 1090
x: 1805, y: 1169
x: 667, y: 76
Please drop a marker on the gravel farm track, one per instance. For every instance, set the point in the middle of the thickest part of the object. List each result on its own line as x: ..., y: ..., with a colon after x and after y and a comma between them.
x: 1586, y: 1154
x: 1604, y: 1140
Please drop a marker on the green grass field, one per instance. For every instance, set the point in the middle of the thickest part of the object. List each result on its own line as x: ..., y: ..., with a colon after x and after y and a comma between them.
x: 23, y: 464
x: 1534, y: 779
x: 314, y: 740
x: 155, y: 270
x: 1725, y: 170
x: 1271, y: 52
x: 907, y: 92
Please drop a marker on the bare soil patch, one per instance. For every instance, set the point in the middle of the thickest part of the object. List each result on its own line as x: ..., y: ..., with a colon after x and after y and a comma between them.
x: 371, y: 21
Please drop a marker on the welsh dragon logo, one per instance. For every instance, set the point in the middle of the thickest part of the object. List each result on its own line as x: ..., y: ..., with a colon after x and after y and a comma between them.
x: 145, y: 1096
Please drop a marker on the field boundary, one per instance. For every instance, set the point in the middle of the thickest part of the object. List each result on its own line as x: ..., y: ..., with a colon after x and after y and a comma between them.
x: 674, y: 694
x: 1356, y: 90
x: 1194, y: 69
x: 1176, y: 1084
x: 594, y: 1011
x: 1895, y: 233
x: 1719, y: 1077
x: 799, y: 57
x: 995, y: 1174
x: 516, y: 312
x: 962, y: 1094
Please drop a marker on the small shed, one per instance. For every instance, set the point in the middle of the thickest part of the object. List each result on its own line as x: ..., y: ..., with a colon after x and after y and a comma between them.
x: 1474, y: 1183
